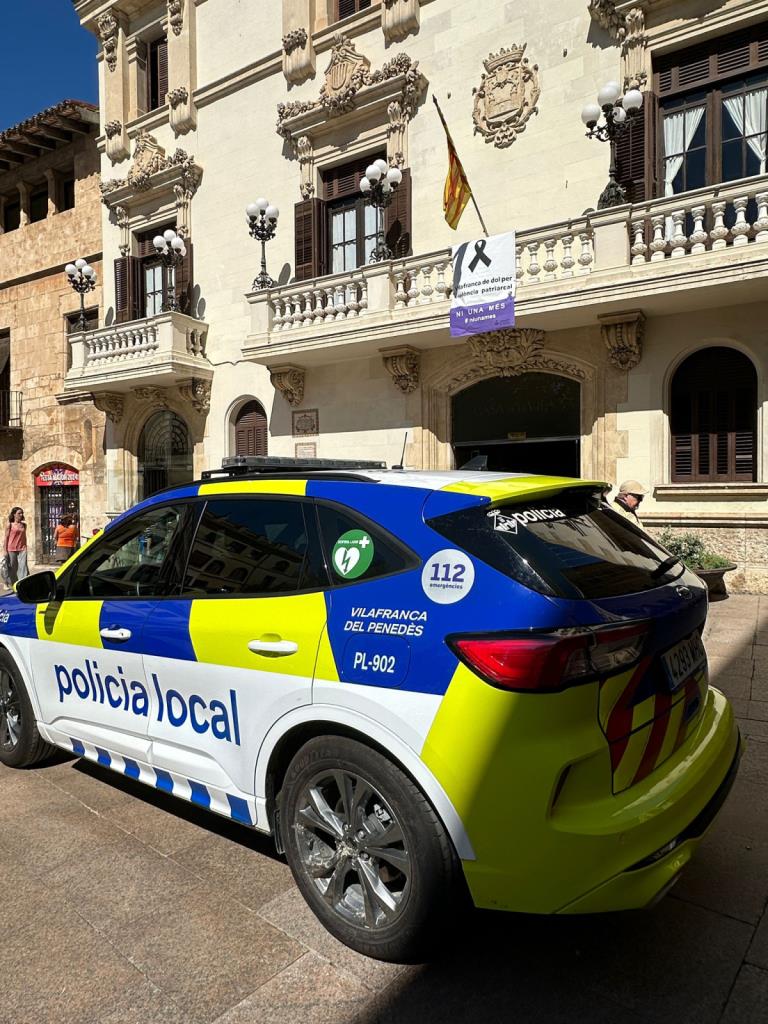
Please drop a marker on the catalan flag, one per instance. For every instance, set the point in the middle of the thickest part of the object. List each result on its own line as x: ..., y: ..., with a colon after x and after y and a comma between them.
x: 457, y: 192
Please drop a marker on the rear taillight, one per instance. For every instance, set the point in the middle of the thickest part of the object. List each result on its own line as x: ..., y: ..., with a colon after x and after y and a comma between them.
x: 546, y: 662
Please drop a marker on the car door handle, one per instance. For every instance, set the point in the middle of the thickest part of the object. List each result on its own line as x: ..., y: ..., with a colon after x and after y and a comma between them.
x: 116, y: 634
x: 277, y: 647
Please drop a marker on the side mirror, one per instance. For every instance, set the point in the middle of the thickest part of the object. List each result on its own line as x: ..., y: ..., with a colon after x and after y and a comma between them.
x: 40, y: 586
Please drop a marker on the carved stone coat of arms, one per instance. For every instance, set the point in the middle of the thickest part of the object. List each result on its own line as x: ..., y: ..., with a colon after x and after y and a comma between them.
x: 507, y: 96
x: 343, y: 76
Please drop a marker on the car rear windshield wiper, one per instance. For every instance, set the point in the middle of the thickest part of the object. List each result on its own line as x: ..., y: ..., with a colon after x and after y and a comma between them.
x: 664, y: 566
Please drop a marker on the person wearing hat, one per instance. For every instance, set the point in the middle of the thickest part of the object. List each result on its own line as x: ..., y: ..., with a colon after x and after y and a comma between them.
x: 627, y: 501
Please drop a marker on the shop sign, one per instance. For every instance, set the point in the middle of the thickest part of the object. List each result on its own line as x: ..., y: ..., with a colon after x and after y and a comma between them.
x: 57, y: 476
x: 484, y: 281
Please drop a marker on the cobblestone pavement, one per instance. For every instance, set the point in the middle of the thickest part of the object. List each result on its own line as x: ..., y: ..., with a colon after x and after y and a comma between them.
x: 122, y: 906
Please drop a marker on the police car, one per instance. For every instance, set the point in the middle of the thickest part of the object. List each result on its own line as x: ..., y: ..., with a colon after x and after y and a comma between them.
x: 428, y: 687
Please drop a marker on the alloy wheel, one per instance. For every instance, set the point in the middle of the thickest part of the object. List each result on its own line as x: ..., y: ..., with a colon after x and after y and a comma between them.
x: 10, y: 712
x: 353, y: 848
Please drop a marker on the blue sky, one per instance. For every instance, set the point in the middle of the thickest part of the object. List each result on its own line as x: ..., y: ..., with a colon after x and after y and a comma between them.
x: 45, y: 56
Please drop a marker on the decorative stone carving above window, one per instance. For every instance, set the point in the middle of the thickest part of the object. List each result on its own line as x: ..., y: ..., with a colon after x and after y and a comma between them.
x: 623, y: 334
x: 157, y: 397
x: 289, y: 381
x: 108, y: 29
x: 306, y: 154
x: 507, y: 97
x: 298, y: 55
x: 399, y: 17
x: 153, y: 170
x: 604, y: 14
x: 176, y: 16
x: 117, y: 141
x: 351, y: 85
x: 403, y: 365
x: 294, y: 40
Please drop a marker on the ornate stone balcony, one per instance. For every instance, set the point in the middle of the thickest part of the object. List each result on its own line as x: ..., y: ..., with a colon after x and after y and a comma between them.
x: 659, y: 257
x: 159, y: 351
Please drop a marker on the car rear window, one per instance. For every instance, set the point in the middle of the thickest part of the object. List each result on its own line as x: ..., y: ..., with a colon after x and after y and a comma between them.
x: 567, y: 545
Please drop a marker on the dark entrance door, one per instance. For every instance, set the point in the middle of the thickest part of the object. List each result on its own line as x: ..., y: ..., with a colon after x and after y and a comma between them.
x: 58, y: 489
x: 525, y: 424
x: 165, y: 453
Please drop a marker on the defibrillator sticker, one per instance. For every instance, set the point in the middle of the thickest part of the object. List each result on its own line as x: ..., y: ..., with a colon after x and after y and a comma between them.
x: 352, y: 554
x: 448, y: 576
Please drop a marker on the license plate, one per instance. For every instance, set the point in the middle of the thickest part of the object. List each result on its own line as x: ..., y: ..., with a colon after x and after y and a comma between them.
x: 682, y: 660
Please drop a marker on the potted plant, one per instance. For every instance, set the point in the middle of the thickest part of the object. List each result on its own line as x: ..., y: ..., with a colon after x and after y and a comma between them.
x: 707, y: 565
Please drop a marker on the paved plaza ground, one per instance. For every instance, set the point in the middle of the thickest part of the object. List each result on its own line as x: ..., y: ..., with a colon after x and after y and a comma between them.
x: 123, y: 906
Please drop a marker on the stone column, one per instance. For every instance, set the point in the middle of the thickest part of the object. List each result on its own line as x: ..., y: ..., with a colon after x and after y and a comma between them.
x: 136, y: 60
x: 53, y: 191
x: 298, y: 49
x: 2, y: 215
x: 23, y: 188
x: 182, y: 64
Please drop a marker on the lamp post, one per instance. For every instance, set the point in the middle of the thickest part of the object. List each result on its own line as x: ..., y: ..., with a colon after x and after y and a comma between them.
x: 171, y: 249
x: 617, y: 110
x: 379, y: 186
x: 82, y: 277
x: 262, y: 225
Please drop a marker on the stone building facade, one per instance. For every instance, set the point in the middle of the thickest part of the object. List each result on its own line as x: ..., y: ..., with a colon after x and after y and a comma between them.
x: 638, y: 349
x: 51, y: 445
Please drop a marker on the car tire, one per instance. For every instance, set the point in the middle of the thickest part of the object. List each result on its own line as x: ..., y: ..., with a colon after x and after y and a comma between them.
x: 21, y: 745
x: 370, y: 855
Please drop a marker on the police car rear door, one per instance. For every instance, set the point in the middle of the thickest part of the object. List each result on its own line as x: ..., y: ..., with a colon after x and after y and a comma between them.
x: 246, y: 631
x: 87, y: 662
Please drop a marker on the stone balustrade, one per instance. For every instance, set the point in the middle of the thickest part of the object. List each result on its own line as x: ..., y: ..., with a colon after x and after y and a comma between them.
x: 701, y: 221
x: 326, y: 300
x: 165, y: 348
x: 561, y: 251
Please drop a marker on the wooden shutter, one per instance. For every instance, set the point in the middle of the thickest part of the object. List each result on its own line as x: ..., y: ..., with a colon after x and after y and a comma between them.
x: 346, y: 7
x: 344, y: 180
x: 714, y: 418
x: 735, y: 54
x: 397, y: 219
x: 185, y: 281
x: 311, y: 239
x: 158, y: 72
x: 251, y: 431
x: 635, y: 153
x: 128, y: 298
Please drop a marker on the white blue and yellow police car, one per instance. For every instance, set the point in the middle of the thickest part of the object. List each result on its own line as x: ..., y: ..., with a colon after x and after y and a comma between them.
x: 425, y: 685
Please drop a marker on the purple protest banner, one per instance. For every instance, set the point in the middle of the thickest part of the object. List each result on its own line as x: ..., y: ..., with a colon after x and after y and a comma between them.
x: 484, y: 281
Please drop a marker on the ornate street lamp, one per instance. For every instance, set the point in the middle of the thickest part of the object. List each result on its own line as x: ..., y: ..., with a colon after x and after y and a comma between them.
x: 379, y: 186
x: 262, y: 225
x: 82, y: 277
x: 171, y: 249
x: 616, y: 110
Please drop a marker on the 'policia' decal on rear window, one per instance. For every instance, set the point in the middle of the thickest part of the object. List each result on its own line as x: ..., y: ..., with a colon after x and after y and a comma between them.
x: 506, y: 522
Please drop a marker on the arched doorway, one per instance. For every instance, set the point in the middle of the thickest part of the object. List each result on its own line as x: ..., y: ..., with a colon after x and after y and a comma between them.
x: 251, y: 431
x: 165, y: 453
x: 528, y: 423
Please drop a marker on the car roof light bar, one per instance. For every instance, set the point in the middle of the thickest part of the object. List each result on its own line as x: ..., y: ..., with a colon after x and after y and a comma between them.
x: 248, y: 465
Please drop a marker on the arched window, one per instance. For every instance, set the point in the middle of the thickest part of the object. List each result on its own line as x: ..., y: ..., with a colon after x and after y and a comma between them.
x: 714, y: 417
x: 251, y: 431
x: 165, y: 453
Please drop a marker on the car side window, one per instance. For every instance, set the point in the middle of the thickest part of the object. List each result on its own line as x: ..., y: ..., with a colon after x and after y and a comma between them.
x: 140, y: 559
x: 252, y: 547
x: 357, y: 550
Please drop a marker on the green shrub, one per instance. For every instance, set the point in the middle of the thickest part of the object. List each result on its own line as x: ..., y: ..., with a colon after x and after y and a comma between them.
x: 690, y: 549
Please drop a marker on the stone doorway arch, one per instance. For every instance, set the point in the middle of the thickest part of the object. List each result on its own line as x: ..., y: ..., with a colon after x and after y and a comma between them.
x: 504, y: 353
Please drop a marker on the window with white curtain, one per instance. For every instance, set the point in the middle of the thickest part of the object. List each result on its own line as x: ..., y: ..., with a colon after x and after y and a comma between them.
x: 685, y: 148
x: 744, y: 131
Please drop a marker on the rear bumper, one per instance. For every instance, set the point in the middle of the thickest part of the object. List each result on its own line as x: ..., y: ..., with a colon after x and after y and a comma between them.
x: 594, y: 851
x: 650, y: 878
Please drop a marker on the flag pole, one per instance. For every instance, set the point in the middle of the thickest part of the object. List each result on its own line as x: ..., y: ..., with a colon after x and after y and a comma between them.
x: 471, y: 191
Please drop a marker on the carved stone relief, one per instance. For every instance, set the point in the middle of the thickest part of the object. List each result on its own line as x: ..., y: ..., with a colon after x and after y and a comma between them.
x: 197, y: 393
x: 110, y: 403
x: 403, y: 365
x: 629, y: 31
x: 120, y: 215
x: 156, y: 396
x: 289, y: 381
x: 294, y: 40
x: 507, y: 96
x: 347, y: 73
x: 623, y: 334
x: 176, y: 16
x: 306, y: 154
x: 510, y: 352
x: 398, y: 18
x: 108, y: 29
